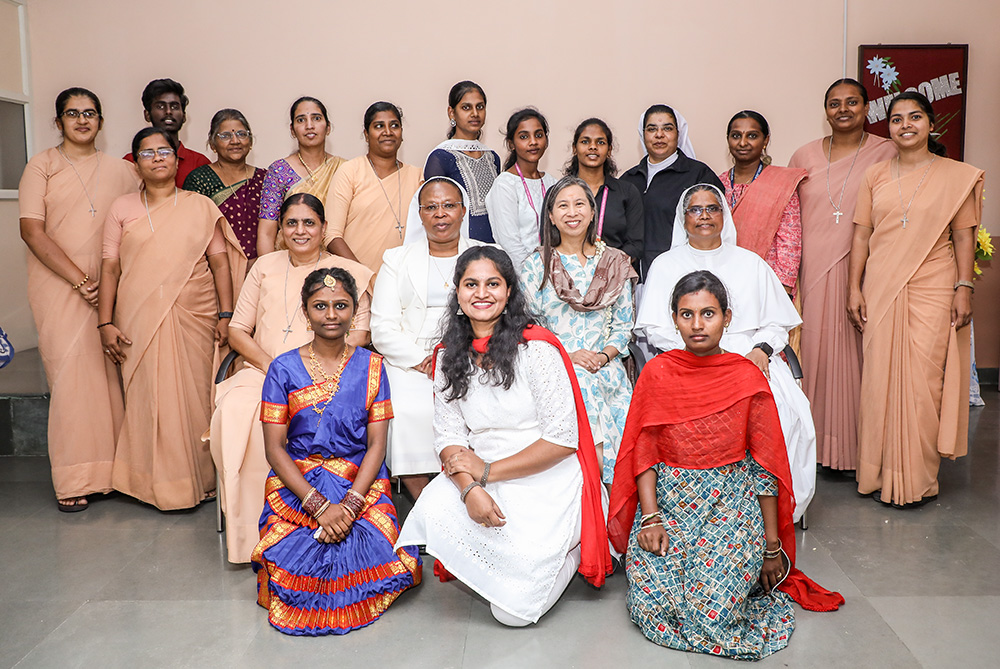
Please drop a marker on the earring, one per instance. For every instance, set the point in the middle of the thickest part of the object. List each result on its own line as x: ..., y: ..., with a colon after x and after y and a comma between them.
x: 353, y: 319
x: 309, y: 326
x: 453, y: 123
x: 458, y: 312
x: 764, y: 158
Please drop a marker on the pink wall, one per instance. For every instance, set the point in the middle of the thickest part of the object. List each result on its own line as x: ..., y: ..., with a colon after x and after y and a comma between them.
x: 570, y: 59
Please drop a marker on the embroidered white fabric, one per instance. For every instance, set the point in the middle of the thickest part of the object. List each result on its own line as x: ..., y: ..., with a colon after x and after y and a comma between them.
x: 515, y: 566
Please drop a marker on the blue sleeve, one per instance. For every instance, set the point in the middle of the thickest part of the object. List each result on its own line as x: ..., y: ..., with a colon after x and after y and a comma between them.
x: 439, y: 164
x: 381, y: 407
x: 274, y: 396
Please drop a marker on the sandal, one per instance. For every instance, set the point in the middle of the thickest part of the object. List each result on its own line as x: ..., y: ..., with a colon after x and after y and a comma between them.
x: 72, y: 504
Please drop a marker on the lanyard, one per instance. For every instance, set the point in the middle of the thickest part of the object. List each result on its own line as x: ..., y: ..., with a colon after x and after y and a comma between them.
x: 527, y: 192
x: 600, y: 217
x: 732, y: 184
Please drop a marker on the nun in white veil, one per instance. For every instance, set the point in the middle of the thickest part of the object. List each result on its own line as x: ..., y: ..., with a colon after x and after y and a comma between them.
x: 410, y: 296
x: 762, y: 317
x: 683, y: 140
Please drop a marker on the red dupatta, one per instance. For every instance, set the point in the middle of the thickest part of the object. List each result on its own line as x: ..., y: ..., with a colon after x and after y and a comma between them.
x: 595, y: 558
x: 678, y: 387
x: 757, y: 214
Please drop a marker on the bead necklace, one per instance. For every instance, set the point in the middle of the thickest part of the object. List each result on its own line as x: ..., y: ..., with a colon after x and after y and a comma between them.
x: 145, y: 201
x: 311, y: 174
x: 329, y: 383
x: 399, y: 190
x: 837, y: 211
x: 899, y: 187
x: 97, y: 185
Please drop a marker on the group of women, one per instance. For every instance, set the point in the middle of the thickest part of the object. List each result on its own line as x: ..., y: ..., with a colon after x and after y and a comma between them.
x: 500, y: 307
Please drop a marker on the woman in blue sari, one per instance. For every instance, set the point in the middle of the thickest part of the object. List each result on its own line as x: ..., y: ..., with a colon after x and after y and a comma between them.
x: 325, y: 562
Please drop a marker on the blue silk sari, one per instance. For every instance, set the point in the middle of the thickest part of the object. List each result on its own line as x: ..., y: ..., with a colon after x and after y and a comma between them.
x: 312, y: 588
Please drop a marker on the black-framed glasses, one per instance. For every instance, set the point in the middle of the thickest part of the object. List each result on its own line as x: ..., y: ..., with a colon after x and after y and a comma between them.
x: 76, y: 113
x: 449, y: 207
x: 711, y: 210
x: 238, y: 134
x: 149, y: 154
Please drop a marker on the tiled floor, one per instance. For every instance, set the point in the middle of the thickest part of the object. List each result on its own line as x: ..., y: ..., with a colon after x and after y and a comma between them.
x: 123, y: 585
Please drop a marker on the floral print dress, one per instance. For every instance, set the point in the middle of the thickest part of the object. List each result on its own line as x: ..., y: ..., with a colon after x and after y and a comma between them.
x: 606, y: 393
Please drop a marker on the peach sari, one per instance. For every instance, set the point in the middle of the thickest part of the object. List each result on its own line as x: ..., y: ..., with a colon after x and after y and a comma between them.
x: 167, y: 306
x: 85, y: 409
x: 831, y: 347
x: 915, y: 379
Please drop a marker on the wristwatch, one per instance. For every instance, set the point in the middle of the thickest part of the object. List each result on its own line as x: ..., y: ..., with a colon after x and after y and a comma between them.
x: 768, y: 351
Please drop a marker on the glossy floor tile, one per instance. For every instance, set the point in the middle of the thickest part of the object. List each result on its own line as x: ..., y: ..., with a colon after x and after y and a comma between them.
x: 124, y: 585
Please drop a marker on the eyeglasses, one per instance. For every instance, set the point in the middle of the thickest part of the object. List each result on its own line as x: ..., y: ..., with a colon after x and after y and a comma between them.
x: 696, y: 211
x: 447, y: 206
x: 226, y: 136
x: 76, y: 113
x: 149, y: 154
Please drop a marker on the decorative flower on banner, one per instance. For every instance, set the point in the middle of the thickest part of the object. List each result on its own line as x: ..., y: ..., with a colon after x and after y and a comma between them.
x: 885, y: 74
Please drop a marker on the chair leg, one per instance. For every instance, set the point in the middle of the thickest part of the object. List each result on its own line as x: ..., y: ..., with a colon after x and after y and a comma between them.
x: 802, y: 521
x: 218, y: 504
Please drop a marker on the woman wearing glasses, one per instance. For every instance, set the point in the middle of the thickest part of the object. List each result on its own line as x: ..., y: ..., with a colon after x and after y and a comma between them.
x: 411, y: 297
x: 64, y: 196
x: 170, y: 265
x: 705, y: 239
x: 662, y: 175
x: 309, y: 170
x: 232, y: 184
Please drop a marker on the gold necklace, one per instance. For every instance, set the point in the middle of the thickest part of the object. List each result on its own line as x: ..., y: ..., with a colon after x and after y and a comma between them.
x: 329, y: 383
x: 311, y: 174
x: 246, y: 178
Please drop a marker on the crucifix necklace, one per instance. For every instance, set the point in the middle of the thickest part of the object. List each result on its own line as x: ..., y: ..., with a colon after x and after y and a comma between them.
x: 899, y: 187
x: 837, y: 206
x: 399, y: 190
x: 97, y: 185
x: 288, y: 321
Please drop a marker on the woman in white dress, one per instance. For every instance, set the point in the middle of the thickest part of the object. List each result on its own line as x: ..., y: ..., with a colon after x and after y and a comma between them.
x: 411, y: 295
x: 705, y: 239
x: 516, y: 514
x: 515, y: 200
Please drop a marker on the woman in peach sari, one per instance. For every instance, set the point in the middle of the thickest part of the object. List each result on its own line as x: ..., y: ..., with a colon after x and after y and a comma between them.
x: 63, y: 198
x: 268, y: 321
x: 831, y: 349
x: 166, y: 297
x: 914, y: 245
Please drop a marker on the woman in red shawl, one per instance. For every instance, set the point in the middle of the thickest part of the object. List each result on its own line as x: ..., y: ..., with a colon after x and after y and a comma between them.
x: 710, y: 552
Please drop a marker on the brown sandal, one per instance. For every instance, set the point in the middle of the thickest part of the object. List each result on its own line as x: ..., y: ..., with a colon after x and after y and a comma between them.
x: 73, y: 504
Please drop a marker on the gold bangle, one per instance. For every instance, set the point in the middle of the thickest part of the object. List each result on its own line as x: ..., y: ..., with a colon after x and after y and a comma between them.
x: 78, y: 286
x: 965, y: 284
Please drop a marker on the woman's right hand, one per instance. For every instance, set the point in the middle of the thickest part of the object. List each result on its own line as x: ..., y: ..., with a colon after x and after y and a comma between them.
x: 112, y: 340
x: 426, y: 366
x: 589, y: 360
x: 483, y: 509
x: 857, y: 309
x: 654, y: 540
x: 88, y: 291
x: 335, y: 522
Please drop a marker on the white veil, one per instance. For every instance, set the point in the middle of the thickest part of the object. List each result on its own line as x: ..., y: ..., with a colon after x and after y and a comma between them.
x: 683, y: 141
x: 414, y: 226
x: 680, y: 236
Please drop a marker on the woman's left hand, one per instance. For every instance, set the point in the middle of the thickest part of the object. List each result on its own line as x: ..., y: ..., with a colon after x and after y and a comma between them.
x: 465, y: 461
x: 759, y: 358
x: 961, y: 308
x: 771, y: 573
x: 589, y: 360
x: 222, y: 331
x: 334, y: 524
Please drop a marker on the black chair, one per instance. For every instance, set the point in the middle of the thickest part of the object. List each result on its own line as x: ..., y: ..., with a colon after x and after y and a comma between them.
x: 220, y: 376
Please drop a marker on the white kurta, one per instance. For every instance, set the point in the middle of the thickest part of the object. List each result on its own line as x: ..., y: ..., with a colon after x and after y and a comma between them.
x: 514, y: 566
x: 513, y: 218
x: 762, y: 312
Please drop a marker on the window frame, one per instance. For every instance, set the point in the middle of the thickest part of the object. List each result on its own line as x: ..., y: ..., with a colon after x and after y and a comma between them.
x: 22, y: 97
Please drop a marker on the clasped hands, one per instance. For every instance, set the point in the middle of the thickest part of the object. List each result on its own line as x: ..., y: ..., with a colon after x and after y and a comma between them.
x: 334, y: 524
x: 478, y: 503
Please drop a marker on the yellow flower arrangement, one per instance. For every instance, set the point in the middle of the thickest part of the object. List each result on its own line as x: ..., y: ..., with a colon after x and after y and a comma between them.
x: 984, y: 249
